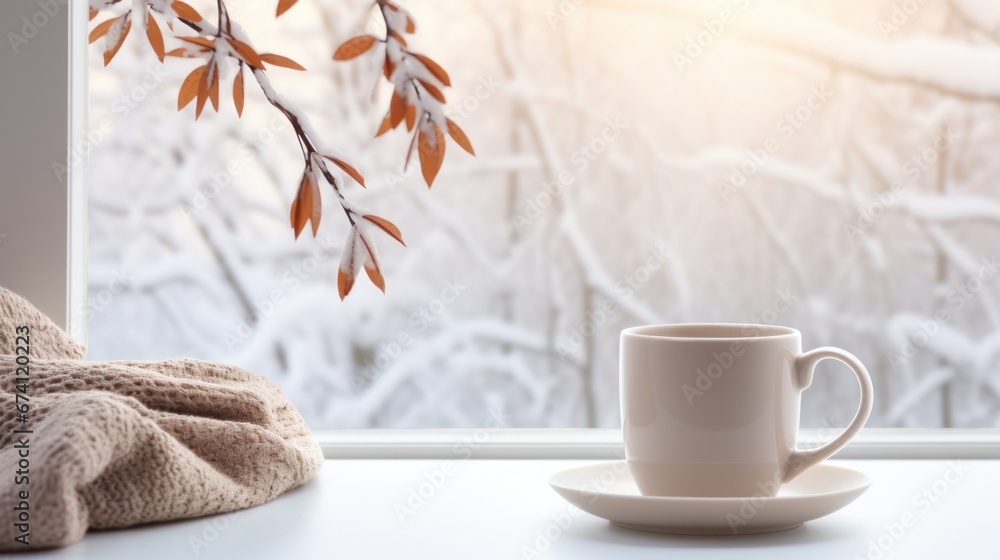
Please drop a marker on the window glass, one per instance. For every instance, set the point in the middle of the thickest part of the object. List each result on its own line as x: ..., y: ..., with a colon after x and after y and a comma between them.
x: 827, y: 166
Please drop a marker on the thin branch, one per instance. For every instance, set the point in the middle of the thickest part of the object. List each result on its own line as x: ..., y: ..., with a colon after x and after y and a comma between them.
x: 299, y: 122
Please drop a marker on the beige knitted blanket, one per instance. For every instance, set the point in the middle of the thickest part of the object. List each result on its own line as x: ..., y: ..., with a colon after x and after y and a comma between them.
x: 115, y: 444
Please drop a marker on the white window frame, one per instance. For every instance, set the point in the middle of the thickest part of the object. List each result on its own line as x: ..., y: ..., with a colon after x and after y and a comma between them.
x: 598, y: 444
x: 79, y: 103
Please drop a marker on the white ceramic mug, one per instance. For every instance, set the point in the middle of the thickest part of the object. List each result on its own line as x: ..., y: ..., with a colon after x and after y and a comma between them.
x: 713, y: 409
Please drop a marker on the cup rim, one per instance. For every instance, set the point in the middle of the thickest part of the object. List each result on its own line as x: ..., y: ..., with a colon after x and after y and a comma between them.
x: 727, y: 332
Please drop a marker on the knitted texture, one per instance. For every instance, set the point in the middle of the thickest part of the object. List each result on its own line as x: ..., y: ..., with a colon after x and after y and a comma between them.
x: 116, y: 444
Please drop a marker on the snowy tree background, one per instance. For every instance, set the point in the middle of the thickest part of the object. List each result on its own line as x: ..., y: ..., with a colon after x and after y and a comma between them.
x: 611, y: 136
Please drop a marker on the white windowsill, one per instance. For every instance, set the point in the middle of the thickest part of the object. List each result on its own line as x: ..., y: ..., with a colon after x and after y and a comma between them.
x: 502, y: 509
x: 607, y: 444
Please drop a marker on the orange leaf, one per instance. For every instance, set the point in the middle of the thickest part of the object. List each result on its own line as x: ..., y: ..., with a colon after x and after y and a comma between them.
x: 155, y: 36
x: 247, y: 53
x: 441, y: 145
x: 397, y: 109
x: 354, y: 48
x: 372, y: 267
x: 213, y: 89
x: 375, y: 275
x: 433, y: 90
x: 185, y: 11
x: 113, y: 50
x: 317, y: 206
x: 348, y: 169
x: 202, y: 41
x: 204, y: 87
x: 459, y: 136
x: 344, y: 284
x: 294, y: 216
x: 431, y: 153
x: 409, y: 152
x: 348, y: 264
x: 102, y: 29
x: 189, y: 89
x: 433, y: 67
x: 284, y: 6
x: 411, y: 116
x: 93, y: 14
x: 302, y: 207
x: 386, y: 226
x: 283, y: 61
x: 182, y: 52
x: 388, y: 68
x: 386, y: 127
x: 238, y: 91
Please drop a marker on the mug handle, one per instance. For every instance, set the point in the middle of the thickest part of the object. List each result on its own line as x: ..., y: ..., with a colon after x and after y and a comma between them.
x: 805, y: 365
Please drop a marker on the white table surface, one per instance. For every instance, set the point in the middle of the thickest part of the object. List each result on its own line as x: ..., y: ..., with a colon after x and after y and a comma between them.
x: 490, y: 509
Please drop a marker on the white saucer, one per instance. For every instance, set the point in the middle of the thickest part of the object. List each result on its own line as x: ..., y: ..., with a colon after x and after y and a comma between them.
x: 607, y: 491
